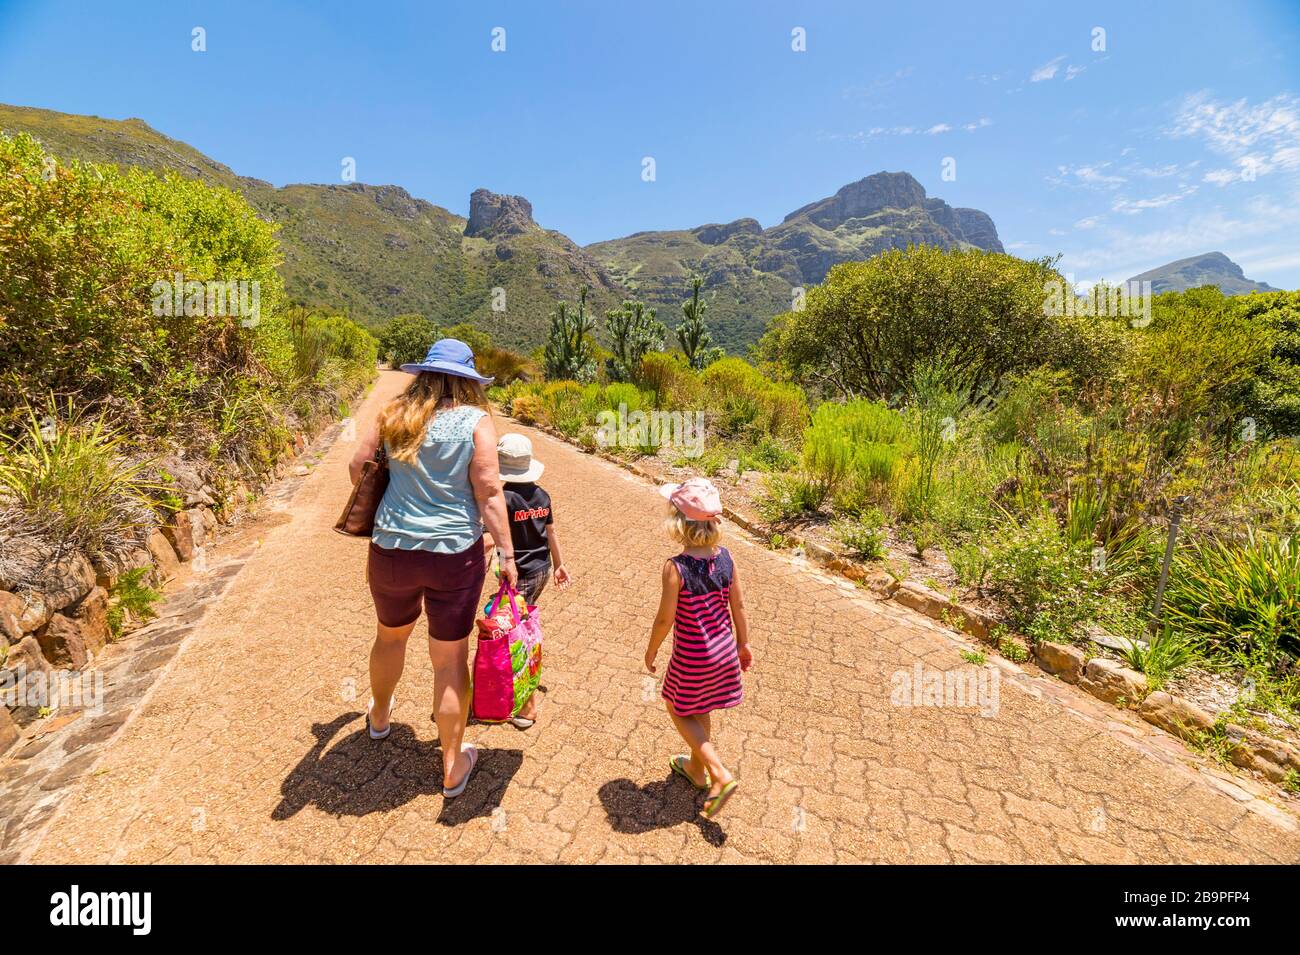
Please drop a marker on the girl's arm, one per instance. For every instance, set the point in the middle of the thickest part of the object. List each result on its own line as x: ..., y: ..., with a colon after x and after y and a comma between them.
x: 553, y: 545
x: 485, y: 479
x: 365, y: 451
x: 739, y: 622
x: 672, y: 585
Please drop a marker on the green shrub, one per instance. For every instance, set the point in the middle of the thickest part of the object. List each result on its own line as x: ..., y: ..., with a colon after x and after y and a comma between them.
x: 785, y: 496
x: 565, y: 404
x: 131, y: 599
x: 1242, y: 594
x: 74, y: 481
x: 863, y: 537
x: 854, y: 450
x: 527, y: 408
x: 1165, y: 655
x: 970, y: 562
x: 1040, y: 577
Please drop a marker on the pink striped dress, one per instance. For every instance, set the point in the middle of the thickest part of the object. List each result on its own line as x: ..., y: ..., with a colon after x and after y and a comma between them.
x: 704, y: 672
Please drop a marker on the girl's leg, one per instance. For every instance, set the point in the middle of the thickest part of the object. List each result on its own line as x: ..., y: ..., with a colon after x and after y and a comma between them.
x: 695, y: 730
x: 387, y: 658
x: 451, y: 701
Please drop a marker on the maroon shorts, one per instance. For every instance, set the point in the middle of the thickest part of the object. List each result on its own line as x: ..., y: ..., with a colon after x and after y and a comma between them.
x: 449, y: 585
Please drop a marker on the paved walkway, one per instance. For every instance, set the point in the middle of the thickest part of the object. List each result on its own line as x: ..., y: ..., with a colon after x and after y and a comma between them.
x: 251, y: 747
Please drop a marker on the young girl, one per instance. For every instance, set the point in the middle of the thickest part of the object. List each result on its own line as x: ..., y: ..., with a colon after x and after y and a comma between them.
x: 703, y: 604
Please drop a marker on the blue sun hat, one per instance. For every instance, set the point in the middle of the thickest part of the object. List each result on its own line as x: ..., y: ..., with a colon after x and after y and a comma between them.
x: 451, y: 357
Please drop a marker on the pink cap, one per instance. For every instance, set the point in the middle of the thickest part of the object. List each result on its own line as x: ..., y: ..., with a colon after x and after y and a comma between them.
x: 697, y: 499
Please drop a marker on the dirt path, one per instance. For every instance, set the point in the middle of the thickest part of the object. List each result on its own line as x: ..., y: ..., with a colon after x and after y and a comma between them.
x: 252, y: 748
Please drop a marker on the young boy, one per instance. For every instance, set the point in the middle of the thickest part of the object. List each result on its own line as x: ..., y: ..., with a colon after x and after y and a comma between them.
x: 532, y: 532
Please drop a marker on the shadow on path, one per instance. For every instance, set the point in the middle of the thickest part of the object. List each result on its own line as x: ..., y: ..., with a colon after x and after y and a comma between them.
x: 357, y: 775
x: 635, y: 810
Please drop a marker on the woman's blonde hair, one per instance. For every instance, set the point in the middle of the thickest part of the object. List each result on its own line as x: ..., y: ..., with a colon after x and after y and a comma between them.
x: 403, y: 420
x: 691, y: 533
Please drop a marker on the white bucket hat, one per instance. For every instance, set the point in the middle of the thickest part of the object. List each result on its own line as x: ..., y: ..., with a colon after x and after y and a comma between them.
x: 515, y: 460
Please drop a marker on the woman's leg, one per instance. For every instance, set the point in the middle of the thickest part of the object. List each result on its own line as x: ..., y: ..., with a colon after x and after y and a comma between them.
x: 387, y: 658
x: 451, y: 700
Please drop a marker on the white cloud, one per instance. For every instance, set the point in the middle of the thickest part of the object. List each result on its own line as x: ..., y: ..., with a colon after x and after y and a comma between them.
x: 1134, y: 206
x: 1090, y: 222
x: 1047, y: 71
x: 1258, y: 138
x: 938, y: 128
x: 1093, y: 176
x: 977, y: 124
x: 1072, y: 71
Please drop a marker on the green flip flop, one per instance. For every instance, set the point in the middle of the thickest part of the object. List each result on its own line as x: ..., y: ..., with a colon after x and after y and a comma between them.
x: 713, y: 805
x: 676, y: 764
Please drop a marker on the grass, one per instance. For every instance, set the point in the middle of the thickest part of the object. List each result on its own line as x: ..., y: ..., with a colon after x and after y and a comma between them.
x: 75, y: 480
x: 131, y: 599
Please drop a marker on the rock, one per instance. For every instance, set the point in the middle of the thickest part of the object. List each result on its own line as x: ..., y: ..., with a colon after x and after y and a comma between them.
x: 91, y: 614
x: 63, y: 643
x: 497, y: 215
x: 1060, y: 660
x: 20, y: 561
x: 35, y: 614
x: 180, y: 534
x: 204, y: 522
x: 66, y: 580
x: 1113, y: 682
x: 922, y: 599
x: 11, y: 608
x: 164, y: 556
x: 24, y: 681
x: 881, y: 583
x: 109, y: 570
x: 1175, y: 715
x: 1253, y: 750
x: 186, y: 481
x: 8, y: 730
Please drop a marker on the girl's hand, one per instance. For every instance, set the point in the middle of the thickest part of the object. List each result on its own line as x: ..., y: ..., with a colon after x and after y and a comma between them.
x: 562, y: 578
x: 650, y: 655
x: 746, y: 657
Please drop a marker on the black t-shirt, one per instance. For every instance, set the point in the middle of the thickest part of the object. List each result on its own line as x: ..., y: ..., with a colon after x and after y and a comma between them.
x: 529, y: 510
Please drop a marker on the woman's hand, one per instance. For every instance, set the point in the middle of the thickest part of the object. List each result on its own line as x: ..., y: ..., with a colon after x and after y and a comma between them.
x: 511, y: 571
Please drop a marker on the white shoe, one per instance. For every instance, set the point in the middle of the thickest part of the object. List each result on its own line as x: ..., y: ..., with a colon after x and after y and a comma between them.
x: 383, y: 733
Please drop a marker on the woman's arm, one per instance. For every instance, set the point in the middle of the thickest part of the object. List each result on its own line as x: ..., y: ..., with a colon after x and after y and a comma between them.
x: 365, y: 451
x: 739, y: 622
x: 485, y: 479
x: 672, y: 585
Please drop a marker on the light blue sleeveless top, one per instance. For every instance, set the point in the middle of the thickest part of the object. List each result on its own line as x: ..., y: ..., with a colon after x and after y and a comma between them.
x: 429, y: 504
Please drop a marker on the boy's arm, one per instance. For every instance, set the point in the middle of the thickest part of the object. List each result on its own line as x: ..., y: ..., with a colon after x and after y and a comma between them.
x: 740, y: 622
x: 553, y: 545
x: 672, y: 585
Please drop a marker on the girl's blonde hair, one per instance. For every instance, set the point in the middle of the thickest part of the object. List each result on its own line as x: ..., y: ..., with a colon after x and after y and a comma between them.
x: 403, y: 421
x: 691, y: 533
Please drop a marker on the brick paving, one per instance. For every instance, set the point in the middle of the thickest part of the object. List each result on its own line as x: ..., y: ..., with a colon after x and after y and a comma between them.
x: 250, y: 746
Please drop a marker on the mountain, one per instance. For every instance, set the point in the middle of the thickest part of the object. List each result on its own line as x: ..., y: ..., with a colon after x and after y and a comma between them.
x: 377, y: 251
x: 1211, y: 268
x: 372, y: 251
x: 750, y: 271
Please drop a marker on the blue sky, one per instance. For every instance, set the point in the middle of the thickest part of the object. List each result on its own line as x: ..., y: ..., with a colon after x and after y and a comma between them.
x: 1181, y: 136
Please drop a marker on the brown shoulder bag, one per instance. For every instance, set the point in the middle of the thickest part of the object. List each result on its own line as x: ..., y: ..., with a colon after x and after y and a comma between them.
x: 358, y: 517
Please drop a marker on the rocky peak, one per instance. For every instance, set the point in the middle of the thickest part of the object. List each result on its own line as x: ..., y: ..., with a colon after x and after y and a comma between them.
x: 883, y: 190
x: 497, y: 215
x: 715, y: 234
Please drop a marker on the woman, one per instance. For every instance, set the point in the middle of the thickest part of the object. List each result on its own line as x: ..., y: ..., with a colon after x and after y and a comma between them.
x: 426, y: 547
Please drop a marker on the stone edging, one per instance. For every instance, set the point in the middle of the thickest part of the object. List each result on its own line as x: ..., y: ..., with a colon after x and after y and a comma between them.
x: 1105, y: 679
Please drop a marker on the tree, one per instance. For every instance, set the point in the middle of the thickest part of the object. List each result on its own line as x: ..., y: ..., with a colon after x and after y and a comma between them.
x: 406, y: 339
x: 569, y: 354
x: 870, y: 325
x: 693, y: 335
x: 634, y: 332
